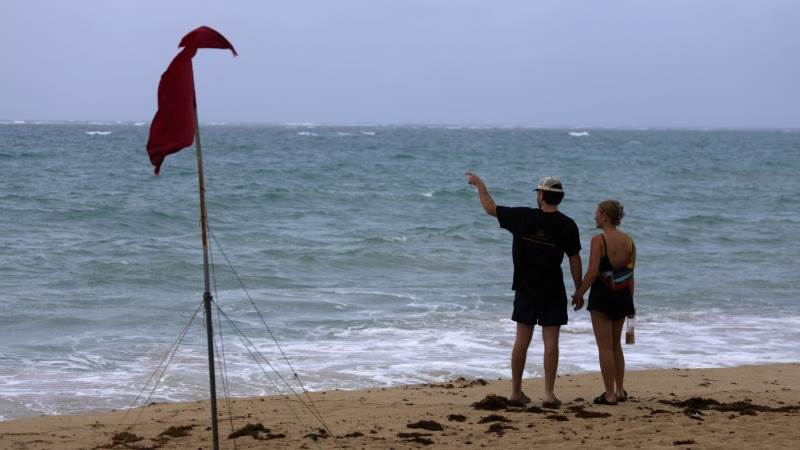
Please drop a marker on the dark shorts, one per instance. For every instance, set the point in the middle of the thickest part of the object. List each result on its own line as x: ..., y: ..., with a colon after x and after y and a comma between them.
x: 616, y: 305
x: 545, y: 314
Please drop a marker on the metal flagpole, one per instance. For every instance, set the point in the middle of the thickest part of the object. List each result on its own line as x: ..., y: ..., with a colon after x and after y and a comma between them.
x: 207, y: 293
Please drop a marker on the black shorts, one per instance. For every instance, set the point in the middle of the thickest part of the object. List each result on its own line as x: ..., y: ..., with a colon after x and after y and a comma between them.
x: 616, y: 305
x: 545, y: 314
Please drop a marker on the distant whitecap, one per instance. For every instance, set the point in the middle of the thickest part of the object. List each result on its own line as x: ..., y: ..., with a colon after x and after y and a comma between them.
x: 306, y: 133
x: 368, y: 133
x: 427, y: 194
x: 96, y: 133
x: 578, y: 133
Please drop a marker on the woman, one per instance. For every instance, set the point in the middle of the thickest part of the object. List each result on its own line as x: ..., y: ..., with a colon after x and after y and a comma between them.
x: 610, y: 275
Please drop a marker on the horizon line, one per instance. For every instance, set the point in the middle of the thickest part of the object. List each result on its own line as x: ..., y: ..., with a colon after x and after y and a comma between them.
x: 311, y: 124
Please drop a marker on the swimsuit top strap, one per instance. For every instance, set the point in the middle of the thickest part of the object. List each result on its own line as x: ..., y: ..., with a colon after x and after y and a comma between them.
x: 605, y: 245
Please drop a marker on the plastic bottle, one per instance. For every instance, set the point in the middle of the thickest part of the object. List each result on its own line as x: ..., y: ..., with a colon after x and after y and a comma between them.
x: 630, y: 338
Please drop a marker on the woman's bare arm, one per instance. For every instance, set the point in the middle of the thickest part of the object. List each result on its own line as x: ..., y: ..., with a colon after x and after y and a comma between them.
x: 593, y: 267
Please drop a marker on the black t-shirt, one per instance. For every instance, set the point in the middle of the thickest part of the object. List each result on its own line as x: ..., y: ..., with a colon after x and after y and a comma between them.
x: 540, y: 241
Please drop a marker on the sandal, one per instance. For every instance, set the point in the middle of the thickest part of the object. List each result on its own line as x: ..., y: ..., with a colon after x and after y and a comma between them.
x: 523, y: 401
x: 601, y: 400
x: 552, y: 405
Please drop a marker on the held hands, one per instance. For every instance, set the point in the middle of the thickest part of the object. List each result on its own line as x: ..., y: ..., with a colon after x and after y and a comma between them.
x: 577, y: 301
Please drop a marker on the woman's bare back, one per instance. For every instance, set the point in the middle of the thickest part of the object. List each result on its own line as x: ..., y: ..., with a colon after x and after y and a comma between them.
x: 618, y: 247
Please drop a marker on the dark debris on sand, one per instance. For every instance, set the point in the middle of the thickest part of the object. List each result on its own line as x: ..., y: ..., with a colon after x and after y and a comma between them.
x: 456, y: 418
x: 499, y: 428
x: 256, y: 431
x: 686, y: 442
x: 269, y: 436
x: 462, y: 383
x: 659, y: 411
x: 747, y: 408
x: 430, y: 425
x: 124, y: 437
x: 558, y: 417
x: 465, y: 383
x: 320, y: 433
x: 402, y: 435
x: 475, y: 382
x: 416, y: 437
x: 581, y: 413
x: 494, y: 418
x: 176, y: 432
x: 536, y: 410
x: 491, y: 402
x: 251, y: 429
x: 354, y: 434
x: 693, y: 407
x: 692, y: 403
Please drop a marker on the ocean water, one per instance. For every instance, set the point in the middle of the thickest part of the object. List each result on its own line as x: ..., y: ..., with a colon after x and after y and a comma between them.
x: 369, y: 255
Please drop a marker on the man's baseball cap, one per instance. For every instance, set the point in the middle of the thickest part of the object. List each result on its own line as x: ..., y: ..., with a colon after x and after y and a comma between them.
x: 547, y: 183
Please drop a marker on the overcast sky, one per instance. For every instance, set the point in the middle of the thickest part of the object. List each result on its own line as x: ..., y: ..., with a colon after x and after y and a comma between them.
x: 696, y: 63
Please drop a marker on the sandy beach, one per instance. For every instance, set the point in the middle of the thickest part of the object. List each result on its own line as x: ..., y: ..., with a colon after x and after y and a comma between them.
x: 740, y: 407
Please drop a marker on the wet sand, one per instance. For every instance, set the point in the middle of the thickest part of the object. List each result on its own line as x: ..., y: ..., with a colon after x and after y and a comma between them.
x: 740, y: 407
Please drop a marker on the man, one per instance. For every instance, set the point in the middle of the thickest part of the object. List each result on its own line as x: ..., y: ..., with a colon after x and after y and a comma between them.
x: 541, y: 238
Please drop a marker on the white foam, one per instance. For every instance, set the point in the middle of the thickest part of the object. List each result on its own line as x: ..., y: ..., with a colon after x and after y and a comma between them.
x: 306, y: 133
x: 138, y: 124
x: 98, y: 133
x: 432, y: 346
x: 18, y: 122
x: 343, y: 291
x: 578, y: 133
x: 427, y: 194
x: 368, y: 133
x: 343, y: 133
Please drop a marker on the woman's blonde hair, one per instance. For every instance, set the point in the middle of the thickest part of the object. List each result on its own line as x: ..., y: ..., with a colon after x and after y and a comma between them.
x: 613, y: 209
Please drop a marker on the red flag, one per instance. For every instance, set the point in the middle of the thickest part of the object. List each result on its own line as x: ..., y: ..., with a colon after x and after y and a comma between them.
x: 173, y: 126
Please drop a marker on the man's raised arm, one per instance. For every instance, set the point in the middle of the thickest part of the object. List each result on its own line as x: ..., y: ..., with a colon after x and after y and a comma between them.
x: 486, y: 199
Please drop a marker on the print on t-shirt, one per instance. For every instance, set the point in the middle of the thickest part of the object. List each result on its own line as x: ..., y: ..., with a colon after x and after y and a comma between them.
x: 541, y: 239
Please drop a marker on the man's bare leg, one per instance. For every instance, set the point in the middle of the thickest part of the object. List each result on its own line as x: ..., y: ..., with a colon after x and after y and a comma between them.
x: 518, y: 356
x: 550, y: 338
